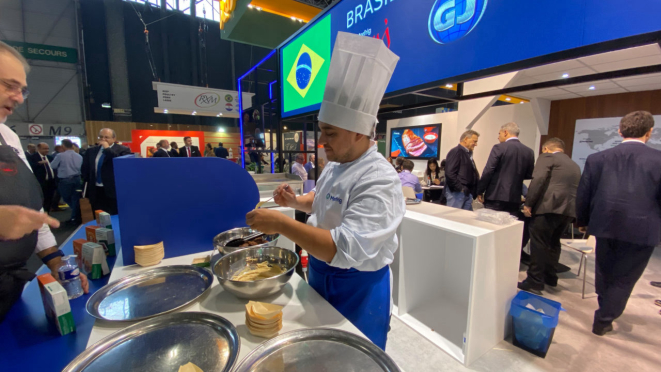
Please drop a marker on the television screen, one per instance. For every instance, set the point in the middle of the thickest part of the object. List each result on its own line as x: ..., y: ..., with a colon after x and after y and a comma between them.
x: 420, y: 142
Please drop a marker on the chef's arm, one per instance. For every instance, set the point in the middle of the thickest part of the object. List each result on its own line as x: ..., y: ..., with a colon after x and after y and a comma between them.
x: 317, y: 242
x: 304, y: 202
x: 285, y: 196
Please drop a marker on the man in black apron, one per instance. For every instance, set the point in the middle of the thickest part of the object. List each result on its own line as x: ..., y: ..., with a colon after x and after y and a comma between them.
x: 23, y: 229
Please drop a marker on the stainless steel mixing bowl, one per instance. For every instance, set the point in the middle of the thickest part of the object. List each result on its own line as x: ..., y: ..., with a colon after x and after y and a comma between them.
x: 223, y: 238
x: 232, y: 263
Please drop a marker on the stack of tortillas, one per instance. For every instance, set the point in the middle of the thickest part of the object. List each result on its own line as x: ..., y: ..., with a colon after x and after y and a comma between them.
x: 263, y: 320
x: 149, y: 255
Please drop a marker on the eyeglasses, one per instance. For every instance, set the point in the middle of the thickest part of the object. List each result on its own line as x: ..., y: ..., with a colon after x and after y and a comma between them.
x: 13, y: 88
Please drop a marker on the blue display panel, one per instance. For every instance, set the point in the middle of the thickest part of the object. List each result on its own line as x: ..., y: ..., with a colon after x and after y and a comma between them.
x: 441, y: 39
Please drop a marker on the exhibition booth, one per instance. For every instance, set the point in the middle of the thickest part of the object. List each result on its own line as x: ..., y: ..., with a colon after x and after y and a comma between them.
x: 454, y: 276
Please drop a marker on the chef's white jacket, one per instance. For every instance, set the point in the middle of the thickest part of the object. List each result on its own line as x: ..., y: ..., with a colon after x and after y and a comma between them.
x: 362, y: 205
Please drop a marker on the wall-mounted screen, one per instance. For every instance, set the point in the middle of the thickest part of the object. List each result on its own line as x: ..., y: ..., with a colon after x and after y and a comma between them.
x: 76, y: 140
x: 420, y: 142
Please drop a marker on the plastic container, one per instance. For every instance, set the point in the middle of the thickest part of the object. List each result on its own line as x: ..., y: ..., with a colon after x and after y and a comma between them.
x: 495, y: 217
x: 69, y: 276
x: 419, y: 195
x: 533, y: 330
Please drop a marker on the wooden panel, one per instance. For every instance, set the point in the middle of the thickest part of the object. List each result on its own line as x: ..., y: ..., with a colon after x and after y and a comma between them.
x: 123, y: 130
x: 562, y: 122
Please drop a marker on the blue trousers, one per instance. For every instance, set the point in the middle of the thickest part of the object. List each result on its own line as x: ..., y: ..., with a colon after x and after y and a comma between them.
x: 459, y: 200
x: 67, y: 188
x: 363, y: 297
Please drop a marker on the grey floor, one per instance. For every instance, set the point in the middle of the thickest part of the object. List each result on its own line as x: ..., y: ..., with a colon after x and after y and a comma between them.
x: 634, y: 345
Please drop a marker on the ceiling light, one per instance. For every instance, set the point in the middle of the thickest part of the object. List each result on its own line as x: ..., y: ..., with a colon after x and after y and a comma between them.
x: 448, y: 85
x: 522, y: 102
x: 591, y: 87
x: 565, y: 76
x: 284, y: 127
x: 165, y: 111
x: 221, y: 130
x: 194, y: 112
x: 293, y: 18
x: 508, y: 99
x: 258, y: 8
x: 106, y: 105
x: 250, y: 6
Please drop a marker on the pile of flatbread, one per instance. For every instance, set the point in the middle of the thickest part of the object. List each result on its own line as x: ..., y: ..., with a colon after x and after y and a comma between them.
x: 190, y: 367
x: 149, y: 255
x: 263, y: 320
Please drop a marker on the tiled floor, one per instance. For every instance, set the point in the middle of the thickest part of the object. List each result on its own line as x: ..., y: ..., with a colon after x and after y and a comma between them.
x: 634, y: 345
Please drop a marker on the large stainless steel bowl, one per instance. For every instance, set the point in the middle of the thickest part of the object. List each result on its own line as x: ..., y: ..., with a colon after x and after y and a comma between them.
x: 220, y: 241
x: 230, y: 264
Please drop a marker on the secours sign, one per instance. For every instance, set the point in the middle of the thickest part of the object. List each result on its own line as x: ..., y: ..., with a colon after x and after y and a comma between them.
x: 191, y: 100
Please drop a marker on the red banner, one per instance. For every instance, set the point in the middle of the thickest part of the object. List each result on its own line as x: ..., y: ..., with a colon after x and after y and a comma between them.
x: 144, y: 141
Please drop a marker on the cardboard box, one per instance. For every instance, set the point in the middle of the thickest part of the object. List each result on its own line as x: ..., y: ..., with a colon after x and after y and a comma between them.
x: 104, y: 220
x: 90, y: 232
x: 78, y: 251
x: 97, y: 213
x: 94, y: 261
x: 106, y: 237
x: 56, y: 304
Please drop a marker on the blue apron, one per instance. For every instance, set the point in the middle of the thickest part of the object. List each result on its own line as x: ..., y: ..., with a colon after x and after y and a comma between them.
x: 363, y: 297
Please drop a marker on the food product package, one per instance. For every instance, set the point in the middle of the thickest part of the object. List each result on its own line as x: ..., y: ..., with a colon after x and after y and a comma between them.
x: 103, y: 220
x: 106, y: 237
x: 90, y: 233
x: 94, y: 261
x: 56, y: 304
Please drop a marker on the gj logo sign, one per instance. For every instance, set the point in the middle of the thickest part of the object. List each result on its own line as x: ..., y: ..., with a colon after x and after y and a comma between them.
x: 451, y: 20
x: 207, y: 99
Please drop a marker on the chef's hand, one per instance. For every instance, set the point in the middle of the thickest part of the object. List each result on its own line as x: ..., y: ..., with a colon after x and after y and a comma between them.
x: 527, y: 211
x: 284, y: 196
x: 264, y: 220
x: 480, y: 198
x: 19, y: 221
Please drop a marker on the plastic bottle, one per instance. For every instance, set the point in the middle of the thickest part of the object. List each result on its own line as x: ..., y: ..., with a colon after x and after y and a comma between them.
x: 231, y: 154
x: 69, y: 276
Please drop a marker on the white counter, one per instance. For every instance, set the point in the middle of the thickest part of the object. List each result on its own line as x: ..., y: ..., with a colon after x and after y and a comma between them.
x: 454, y: 278
x: 303, y: 307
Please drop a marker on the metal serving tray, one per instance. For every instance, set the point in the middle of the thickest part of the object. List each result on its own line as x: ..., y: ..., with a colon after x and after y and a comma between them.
x: 164, y: 344
x: 149, y: 293
x: 319, y: 350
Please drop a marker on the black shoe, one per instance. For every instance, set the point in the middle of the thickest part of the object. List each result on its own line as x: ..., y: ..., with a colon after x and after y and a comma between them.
x: 560, y: 268
x: 600, y: 331
x: 656, y: 284
x: 526, y: 286
x: 551, y: 283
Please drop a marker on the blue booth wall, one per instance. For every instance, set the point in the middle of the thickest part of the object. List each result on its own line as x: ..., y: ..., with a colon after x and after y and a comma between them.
x: 183, y: 202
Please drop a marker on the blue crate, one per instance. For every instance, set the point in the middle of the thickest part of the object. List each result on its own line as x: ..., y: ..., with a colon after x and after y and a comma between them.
x: 532, y: 330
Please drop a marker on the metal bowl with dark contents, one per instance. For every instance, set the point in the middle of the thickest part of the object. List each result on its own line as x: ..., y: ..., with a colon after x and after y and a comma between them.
x: 220, y: 241
x: 232, y: 263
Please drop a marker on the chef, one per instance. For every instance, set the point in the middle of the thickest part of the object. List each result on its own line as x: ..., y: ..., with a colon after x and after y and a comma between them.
x: 357, y: 206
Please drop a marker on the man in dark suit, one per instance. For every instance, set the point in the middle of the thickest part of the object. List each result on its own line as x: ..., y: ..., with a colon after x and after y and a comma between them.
x: 551, y: 202
x: 510, y: 162
x: 221, y: 152
x: 174, y: 150
x: 189, y: 151
x: 47, y: 177
x: 619, y: 202
x: 99, y: 172
x: 163, y: 150
x: 461, y: 175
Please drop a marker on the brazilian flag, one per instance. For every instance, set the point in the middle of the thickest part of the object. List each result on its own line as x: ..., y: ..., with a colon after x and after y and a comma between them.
x: 305, y: 63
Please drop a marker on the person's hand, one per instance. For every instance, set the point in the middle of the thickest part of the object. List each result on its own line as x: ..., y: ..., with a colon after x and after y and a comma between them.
x: 527, y: 211
x: 19, y: 221
x: 583, y: 229
x: 42, y: 162
x: 84, y: 283
x: 437, y: 182
x: 480, y: 198
x: 466, y: 191
x: 264, y: 220
x: 104, y: 144
x: 284, y: 196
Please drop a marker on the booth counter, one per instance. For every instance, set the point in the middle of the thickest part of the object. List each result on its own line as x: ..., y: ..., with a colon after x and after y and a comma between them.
x: 454, y: 277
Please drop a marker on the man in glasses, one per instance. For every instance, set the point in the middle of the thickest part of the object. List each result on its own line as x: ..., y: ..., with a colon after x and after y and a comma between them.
x: 24, y: 228
x: 99, y: 173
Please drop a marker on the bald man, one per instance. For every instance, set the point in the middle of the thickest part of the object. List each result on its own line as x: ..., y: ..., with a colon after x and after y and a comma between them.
x: 99, y: 173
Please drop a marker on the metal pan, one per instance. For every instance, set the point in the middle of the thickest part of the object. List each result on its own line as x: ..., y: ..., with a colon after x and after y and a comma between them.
x: 149, y: 293
x: 164, y: 344
x: 317, y: 349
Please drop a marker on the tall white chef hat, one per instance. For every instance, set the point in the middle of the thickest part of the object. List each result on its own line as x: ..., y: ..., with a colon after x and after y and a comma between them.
x: 360, y: 71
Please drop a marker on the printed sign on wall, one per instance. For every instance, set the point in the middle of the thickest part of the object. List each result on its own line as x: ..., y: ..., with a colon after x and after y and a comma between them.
x: 203, y: 101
